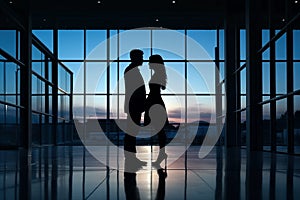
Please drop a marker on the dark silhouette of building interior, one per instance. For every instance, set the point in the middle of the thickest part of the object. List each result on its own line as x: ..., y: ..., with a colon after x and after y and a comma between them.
x: 51, y: 112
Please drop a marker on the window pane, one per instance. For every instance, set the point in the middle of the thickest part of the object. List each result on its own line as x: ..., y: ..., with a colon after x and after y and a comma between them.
x: 243, y: 128
x: 134, y: 39
x: 96, y: 73
x: 243, y: 102
x: 78, y: 71
x: 123, y: 66
x: 221, y: 45
x: 46, y: 37
x: 63, y: 106
x: 113, y: 42
x: 70, y: 44
x: 297, y: 123
x: 2, y: 84
x: 243, y: 81
x: 175, y: 108
x: 266, y: 78
x: 37, y: 54
x: 95, y: 107
x: 201, y: 108
x: 280, y: 46
x: 266, y: 127
x: 201, y: 78
x: 39, y: 68
x: 243, y: 44
x: 281, y: 125
x: 96, y: 45
x: 201, y: 44
x: 10, y: 79
x: 265, y: 40
x: 113, y: 78
x: 8, y: 41
x: 280, y: 78
x: 78, y: 105
x: 296, y: 76
x: 296, y: 42
x: 221, y: 71
x: 176, y: 79
x: 63, y: 79
x: 165, y: 45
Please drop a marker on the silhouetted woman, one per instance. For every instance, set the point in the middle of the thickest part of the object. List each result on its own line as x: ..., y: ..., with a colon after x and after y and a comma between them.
x: 157, y: 82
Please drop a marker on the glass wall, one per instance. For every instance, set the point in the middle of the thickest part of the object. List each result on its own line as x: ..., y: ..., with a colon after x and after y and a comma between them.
x: 9, y: 88
x: 42, y: 90
x: 98, y: 59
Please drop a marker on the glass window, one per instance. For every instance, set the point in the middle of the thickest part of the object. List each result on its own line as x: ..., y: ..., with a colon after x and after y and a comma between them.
x: 201, y: 77
x: 70, y: 44
x: 221, y: 44
x: 296, y: 42
x: 266, y: 127
x: 113, y: 42
x: 63, y: 79
x: 96, y: 45
x: 78, y: 108
x: 116, y: 107
x: 46, y: 37
x: 10, y: 78
x: 296, y: 76
x: 297, y: 123
x: 175, y: 108
x: 96, y: 76
x: 281, y: 125
x: 39, y: 68
x: 95, y: 107
x: 78, y: 71
x: 113, y: 78
x: 134, y: 39
x: 223, y: 101
x: 2, y: 79
x: 201, y: 44
x: 280, y: 78
x: 243, y: 44
x: 175, y: 78
x: 243, y: 128
x: 243, y: 101
x: 280, y: 48
x: 8, y: 41
x: 36, y: 54
x: 221, y: 71
x: 121, y: 83
x: 265, y: 40
x: 2, y: 112
x: 201, y: 108
x: 11, y: 117
x: 243, y: 81
x: 266, y: 78
x: 169, y: 44
x: 63, y: 106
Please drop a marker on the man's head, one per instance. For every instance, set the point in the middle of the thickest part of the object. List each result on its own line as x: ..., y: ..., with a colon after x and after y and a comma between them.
x: 136, y: 56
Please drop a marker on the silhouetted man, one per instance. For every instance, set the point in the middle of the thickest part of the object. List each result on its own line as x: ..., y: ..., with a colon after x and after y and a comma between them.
x: 135, y: 96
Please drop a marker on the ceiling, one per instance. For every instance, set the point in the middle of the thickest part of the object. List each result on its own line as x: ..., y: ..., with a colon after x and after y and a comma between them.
x: 128, y: 14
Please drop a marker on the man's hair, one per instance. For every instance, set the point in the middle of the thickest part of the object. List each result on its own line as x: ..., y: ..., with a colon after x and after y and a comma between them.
x: 136, y: 54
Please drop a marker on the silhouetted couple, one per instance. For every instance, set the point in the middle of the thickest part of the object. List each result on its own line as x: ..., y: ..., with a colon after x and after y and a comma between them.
x: 136, y: 103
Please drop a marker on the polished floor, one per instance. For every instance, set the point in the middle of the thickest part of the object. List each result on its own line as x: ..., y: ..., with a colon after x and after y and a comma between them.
x: 72, y: 172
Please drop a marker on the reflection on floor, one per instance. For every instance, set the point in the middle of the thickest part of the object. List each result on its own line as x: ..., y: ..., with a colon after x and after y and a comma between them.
x: 67, y: 172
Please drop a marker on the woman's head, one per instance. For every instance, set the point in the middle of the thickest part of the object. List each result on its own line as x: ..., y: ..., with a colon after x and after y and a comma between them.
x: 156, y: 59
x: 156, y: 63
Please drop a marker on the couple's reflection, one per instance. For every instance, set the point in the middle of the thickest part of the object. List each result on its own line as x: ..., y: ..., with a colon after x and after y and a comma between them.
x: 131, y: 186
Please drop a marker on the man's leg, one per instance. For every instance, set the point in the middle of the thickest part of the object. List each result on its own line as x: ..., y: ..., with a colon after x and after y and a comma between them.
x: 130, y: 139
